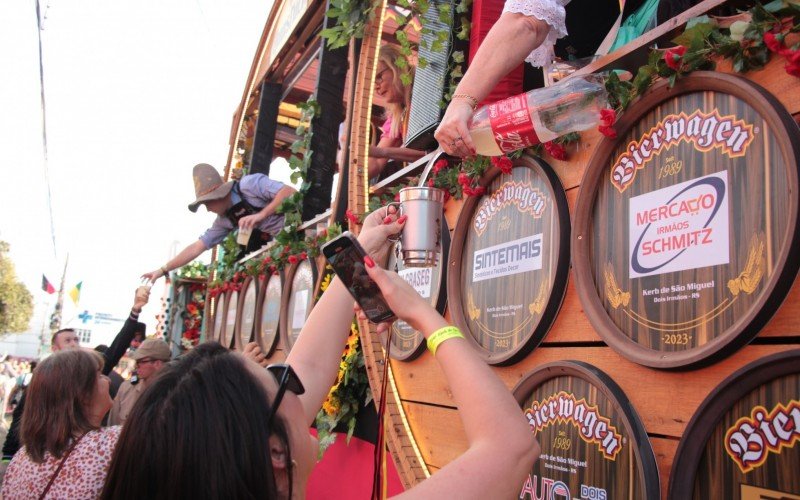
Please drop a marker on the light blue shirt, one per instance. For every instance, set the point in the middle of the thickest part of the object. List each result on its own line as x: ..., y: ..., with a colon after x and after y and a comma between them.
x: 258, y: 190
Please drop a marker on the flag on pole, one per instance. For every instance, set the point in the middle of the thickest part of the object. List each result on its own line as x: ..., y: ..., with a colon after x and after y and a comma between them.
x: 47, y: 286
x: 75, y: 293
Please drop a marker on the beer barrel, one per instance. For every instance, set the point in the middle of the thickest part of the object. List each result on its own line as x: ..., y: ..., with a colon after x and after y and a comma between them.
x: 509, y: 261
x: 429, y: 282
x: 220, y: 302
x: 685, y: 237
x: 246, y: 313
x: 298, y: 299
x: 268, y: 315
x: 742, y: 443
x: 229, y: 333
x: 593, y: 444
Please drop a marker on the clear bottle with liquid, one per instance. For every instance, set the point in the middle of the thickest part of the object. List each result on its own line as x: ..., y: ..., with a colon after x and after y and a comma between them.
x: 538, y: 116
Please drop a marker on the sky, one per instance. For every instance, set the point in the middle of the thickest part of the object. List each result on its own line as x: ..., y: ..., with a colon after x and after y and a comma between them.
x: 137, y: 92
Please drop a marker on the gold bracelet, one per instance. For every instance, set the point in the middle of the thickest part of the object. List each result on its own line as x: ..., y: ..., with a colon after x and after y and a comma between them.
x: 442, y: 334
x: 473, y: 102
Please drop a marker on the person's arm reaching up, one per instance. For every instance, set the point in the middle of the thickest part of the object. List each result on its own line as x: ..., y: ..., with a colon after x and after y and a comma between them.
x: 123, y: 339
x: 502, y: 448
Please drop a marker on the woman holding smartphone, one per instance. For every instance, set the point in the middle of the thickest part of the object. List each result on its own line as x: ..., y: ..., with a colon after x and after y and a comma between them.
x: 216, y: 424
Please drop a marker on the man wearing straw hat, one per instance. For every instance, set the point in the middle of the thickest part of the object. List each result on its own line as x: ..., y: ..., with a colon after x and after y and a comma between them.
x: 249, y: 204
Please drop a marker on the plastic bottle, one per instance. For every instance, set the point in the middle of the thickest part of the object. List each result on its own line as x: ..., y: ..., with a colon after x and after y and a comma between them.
x: 538, y: 116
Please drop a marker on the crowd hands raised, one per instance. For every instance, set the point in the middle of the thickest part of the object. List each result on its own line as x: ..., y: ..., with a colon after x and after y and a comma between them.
x: 214, y: 423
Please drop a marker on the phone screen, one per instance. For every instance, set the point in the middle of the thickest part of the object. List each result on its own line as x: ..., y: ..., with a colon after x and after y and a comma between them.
x: 347, y: 259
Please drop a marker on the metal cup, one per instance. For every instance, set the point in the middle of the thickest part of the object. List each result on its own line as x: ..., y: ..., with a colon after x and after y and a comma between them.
x: 421, y: 239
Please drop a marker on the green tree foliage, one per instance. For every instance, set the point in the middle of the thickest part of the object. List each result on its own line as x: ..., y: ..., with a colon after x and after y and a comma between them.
x: 16, y: 302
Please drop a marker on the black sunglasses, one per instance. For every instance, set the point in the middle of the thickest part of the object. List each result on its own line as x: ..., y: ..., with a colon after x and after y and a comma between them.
x: 287, y: 379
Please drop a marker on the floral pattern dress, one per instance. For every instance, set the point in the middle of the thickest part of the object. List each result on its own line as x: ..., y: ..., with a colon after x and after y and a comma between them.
x: 82, y: 476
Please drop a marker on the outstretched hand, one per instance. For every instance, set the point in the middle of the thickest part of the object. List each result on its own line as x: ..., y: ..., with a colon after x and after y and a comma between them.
x: 152, y: 276
x: 141, y: 297
x: 253, y: 351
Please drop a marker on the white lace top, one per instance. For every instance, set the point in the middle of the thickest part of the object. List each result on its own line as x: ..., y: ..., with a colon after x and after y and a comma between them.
x: 550, y: 11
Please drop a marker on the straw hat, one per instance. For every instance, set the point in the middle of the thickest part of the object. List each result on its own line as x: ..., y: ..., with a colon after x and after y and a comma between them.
x: 208, y: 185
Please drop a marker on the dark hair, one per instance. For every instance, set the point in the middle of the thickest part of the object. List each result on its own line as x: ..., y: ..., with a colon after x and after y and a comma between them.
x: 199, y: 431
x: 59, y: 332
x: 57, y: 401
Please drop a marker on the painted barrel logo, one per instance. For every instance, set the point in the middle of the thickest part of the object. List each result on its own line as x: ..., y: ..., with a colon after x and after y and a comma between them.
x: 680, y: 227
x: 752, y: 438
x: 566, y: 408
x: 527, y: 199
x: 705, y: 131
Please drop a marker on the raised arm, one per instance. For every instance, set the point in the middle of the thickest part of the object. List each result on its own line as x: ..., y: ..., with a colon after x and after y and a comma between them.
x: 270, y: 208
x: 502, y: 448
x: 316, y: 354
x: 123, y: 339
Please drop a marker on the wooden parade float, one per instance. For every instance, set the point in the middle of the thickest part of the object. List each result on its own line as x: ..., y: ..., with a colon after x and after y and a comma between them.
x: 650, y: 332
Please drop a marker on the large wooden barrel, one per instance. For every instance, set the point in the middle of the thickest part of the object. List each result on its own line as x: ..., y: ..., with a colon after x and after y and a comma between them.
x: 298, y: 299
x: 246, y: 313
x: 686, y: 236
x: 220, y: 302
x: 593, y: 443
x: 267, y: 325
x: 510, y: 260
x: 229, y: 332
x: 742, y: 442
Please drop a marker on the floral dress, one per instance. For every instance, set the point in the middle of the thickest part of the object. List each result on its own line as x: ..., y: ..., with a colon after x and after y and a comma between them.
x: 82, y: 476
x: 550, y: 11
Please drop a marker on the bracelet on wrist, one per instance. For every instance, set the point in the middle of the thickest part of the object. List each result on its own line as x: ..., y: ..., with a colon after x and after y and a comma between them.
x: 473, y: 103
x: 164, y: 271
x: 441, y: 335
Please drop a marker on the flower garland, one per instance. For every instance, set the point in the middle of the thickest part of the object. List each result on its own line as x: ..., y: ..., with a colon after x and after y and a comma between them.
x: 748, y: 45
x: 351, y: 391
x: 193, y: 316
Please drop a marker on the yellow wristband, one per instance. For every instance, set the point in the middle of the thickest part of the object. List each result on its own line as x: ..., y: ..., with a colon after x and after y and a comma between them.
x: 442, y: 334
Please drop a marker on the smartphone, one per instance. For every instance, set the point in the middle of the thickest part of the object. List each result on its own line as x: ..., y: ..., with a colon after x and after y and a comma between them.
x: 346, y: 257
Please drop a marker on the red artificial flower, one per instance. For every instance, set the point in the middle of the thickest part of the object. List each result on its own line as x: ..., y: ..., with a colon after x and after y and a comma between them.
x: 464, y: 179
x: 272, y: 269
x: 446, y: 196
x: 674, y: 56
x: 323, y: 233
x: 352, y: 217
x: 440, y: 165
x: 476, y: 191
x: 503, y: 163
x: 431, y: 183
x: 191, y: 309
x: 303, y: 256
x: 275, y: 273
x: 397, y: 196
x: 556, y: 150
x: 267, y: 259
x: 607, y: 117
x: 793, y: 69
x: 293, y: 259
x: 608, y: 131
x: 773, y: 42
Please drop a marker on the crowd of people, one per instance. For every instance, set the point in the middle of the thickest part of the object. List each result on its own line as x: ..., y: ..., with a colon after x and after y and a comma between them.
x: 217, y: 423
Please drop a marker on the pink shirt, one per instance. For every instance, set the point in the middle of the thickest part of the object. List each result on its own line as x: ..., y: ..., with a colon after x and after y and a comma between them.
x: 82, y: 476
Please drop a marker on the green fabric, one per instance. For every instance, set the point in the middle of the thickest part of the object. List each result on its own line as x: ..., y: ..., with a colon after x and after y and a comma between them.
x: 637, y: 24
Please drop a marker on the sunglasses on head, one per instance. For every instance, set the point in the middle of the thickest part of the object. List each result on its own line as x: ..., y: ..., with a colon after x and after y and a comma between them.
x: 287, y: 380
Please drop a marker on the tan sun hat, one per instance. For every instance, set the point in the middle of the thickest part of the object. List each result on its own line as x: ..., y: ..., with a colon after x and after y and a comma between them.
x: 152, y: 348
x: 208, y: 185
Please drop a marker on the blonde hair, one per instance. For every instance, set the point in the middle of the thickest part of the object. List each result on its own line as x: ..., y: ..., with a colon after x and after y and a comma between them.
x: 397, y: 112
